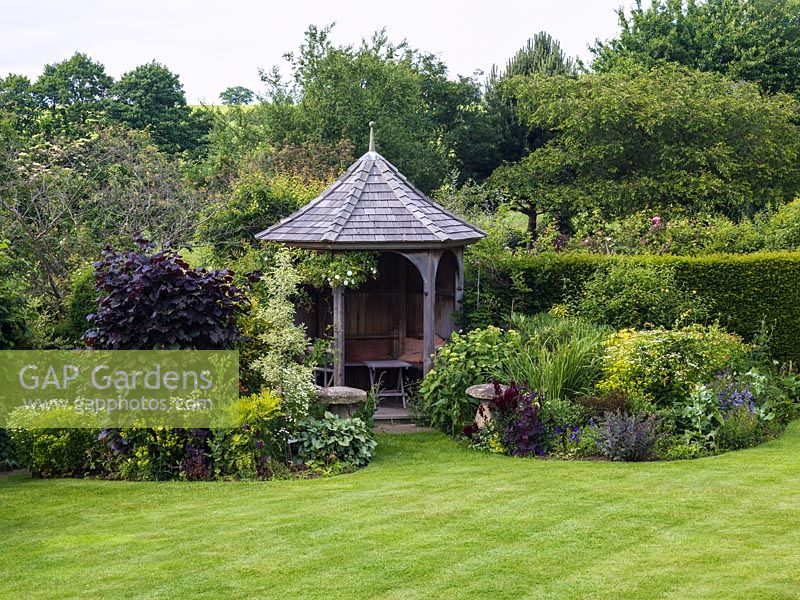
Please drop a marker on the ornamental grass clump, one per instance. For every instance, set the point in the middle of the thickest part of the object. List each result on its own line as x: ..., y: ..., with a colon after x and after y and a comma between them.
x: 560, y: 356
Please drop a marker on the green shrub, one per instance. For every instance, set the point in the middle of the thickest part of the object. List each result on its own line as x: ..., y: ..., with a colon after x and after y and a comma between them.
x: 661, y: 367
x: 281, y: 341
x: 53, y: 452
x: 258, y: 447
x: 330, y: 440
x: 56, y: 452
x: 249, y: 450
x: 734, y: 410
x: 81, y: 303
x: 476, y: 357
x: 575, y: 442
x: 784, y: 396
x: 741, y: 428
x: 742, y: 291
x: 677, y: 448
x: 637, y: 296
x: 562, y: 415
x: 14, y: 329
x: 782, y: 230
x: 700, y: 417
x: 670, y: 232
x: 148, y: 454
x: 255, y: 448
x: 256, y: 201
x: 8, y: 455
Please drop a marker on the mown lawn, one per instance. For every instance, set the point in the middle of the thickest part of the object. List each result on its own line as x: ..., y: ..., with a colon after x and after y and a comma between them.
x: 426, y: 519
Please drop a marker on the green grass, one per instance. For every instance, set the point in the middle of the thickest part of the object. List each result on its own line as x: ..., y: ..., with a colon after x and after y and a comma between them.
x: 426, y: 519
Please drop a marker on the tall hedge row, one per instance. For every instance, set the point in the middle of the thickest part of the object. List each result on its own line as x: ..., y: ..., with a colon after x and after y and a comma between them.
x: 741, y: 290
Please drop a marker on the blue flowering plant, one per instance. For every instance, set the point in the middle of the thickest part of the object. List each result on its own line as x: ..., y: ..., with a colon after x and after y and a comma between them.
x: 574, y: 441
x: 734, y: 411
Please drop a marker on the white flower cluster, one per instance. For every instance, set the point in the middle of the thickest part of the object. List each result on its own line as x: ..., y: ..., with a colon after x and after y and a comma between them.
x: 339, y: 279
x: 348, y: 278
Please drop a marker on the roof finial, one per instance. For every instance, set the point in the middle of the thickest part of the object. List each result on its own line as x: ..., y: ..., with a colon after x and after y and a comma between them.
x: 372, y: 136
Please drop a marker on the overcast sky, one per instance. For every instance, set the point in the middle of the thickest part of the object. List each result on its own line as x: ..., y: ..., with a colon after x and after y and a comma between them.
x: 213, y: 44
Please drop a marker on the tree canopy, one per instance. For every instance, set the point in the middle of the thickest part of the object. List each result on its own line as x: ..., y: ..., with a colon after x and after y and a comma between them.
x: 541, y: 55
x: 151, y: 97
x: 427, y: 124
x: 74, y: 91
x: 686, y: 110
x: 237, y: 95
x: 751, y: 40
x: 669, y: 136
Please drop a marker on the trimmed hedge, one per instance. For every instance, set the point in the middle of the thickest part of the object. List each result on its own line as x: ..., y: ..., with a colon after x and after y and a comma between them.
x: 741, y: 290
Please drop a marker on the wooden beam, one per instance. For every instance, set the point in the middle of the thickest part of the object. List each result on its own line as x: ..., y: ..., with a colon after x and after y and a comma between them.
x: 402, y: 309
x: 429, y: 311
x: 427, y: 263
x: 459, y: 298
x: 338, y: 335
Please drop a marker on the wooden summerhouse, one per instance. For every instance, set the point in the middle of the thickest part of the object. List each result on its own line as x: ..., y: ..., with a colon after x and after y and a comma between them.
x: 406, y: 311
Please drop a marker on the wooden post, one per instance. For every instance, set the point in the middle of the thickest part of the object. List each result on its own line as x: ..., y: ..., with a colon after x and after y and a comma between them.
x: 402, y: 309
x: 427, y: 263
x: 338, y: 335
x: 458, y: 301
x: 429, y: 311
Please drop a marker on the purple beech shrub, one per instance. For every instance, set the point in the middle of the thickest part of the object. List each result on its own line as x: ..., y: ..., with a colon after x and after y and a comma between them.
x: 154, y: 300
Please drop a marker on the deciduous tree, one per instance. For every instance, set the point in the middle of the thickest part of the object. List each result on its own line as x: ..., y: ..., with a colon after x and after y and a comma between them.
x: 74, y: 91
x: 751, y: 40
x: 667, y: 137
x: 151, y: 97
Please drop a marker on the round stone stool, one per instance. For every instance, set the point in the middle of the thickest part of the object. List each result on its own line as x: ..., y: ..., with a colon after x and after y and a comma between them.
x: 483, y: 392
x: 342, y: 401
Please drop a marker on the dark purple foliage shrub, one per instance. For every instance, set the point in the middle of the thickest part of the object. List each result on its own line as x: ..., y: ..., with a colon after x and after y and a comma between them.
x: 195, y: 466
x: 155, y: 300
x: 515, y: 412
x: 470, y: 429
x: 525, y: 434
x: 627, y: 437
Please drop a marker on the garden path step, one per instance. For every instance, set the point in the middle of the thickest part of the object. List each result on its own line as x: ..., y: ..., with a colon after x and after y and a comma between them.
x: 385, y: 427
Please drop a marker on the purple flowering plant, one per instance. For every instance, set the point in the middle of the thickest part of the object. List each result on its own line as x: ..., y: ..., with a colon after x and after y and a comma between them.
x: 574, y: 441
x: 733, y: 393
x: 513, y: 417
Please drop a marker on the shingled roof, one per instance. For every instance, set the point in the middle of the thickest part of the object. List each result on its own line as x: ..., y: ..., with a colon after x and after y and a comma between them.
x: 372, y: 206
